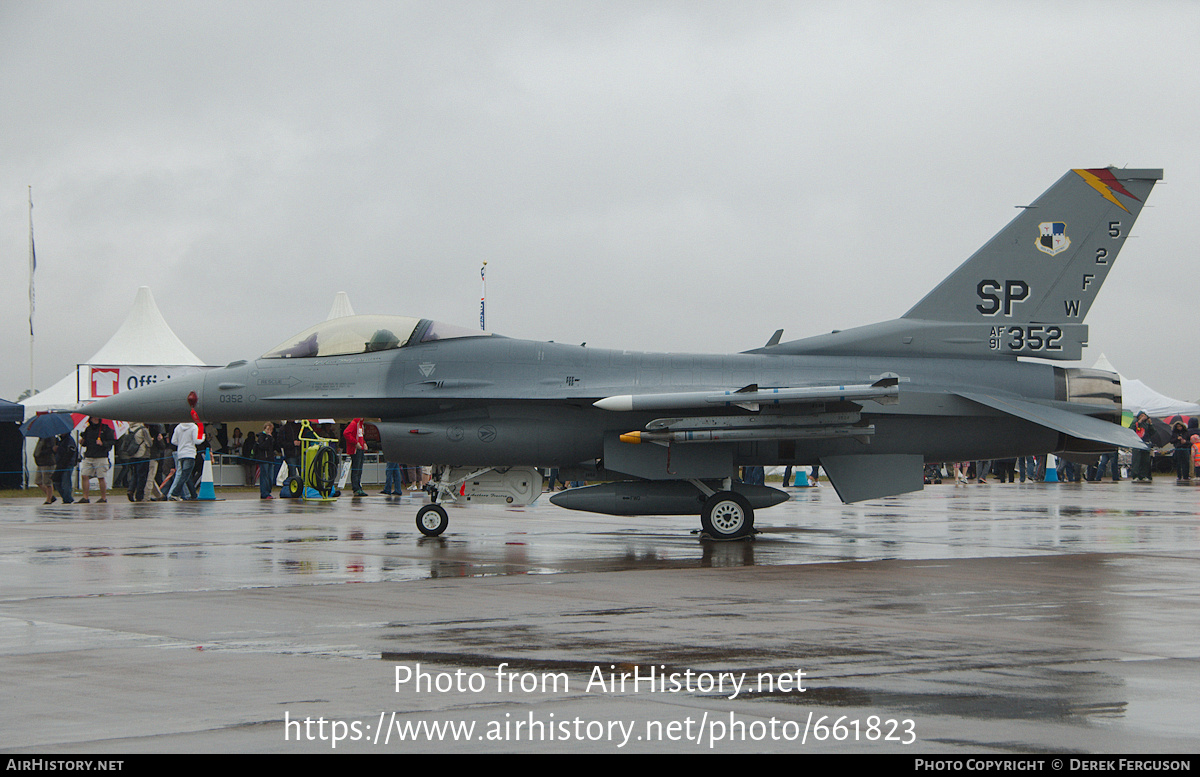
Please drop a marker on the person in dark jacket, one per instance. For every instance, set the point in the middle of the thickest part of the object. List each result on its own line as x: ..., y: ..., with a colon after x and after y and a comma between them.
x: 139, y: 464
x: 247, y: 455
x: 290, y: 448
x: 264, y: 453
x: 66, y: 455
x: 157, y: 455
x: 1183, y: 448
x: 98, y: 439
x: 201, y: 456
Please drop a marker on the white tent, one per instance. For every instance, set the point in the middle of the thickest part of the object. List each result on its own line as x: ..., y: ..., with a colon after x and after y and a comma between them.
x: 1137, y: 396
x: 341, y: 306
x: 143, y: 349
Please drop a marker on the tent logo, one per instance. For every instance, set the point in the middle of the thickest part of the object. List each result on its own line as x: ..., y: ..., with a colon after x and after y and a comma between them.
x: 1052, y: 237
x: 105, y: 382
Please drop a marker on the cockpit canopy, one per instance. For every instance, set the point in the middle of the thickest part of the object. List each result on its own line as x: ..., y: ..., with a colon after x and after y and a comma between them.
x: 351, y: 335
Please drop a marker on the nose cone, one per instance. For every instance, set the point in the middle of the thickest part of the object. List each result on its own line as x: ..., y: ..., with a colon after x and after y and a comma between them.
x: 164, y: 402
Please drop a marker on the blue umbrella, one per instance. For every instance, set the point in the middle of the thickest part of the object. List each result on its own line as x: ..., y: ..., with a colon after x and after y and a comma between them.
x: 48, y: 425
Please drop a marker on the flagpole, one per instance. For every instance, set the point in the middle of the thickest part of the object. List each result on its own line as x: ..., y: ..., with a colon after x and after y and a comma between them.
x: 32, y: 269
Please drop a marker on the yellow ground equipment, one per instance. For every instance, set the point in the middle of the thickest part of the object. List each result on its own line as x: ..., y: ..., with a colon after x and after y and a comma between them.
x: 318, y: 465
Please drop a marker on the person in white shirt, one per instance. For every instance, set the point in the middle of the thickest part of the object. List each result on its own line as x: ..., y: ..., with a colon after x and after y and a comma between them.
x: 184, y: 440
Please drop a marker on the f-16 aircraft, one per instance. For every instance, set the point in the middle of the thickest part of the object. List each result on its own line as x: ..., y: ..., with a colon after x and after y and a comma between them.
x: 667, y: 432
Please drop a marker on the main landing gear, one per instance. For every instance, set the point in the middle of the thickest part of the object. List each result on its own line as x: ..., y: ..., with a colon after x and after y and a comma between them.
x: 726, y: 515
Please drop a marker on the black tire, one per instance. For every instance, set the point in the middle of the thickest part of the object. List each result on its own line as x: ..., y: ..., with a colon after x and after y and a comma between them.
x: 432, y: 520
x: 727, y: 516
x: 322, y: 472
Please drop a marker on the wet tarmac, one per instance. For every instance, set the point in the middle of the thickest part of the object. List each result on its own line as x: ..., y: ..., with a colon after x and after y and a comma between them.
x: 1024, y: 618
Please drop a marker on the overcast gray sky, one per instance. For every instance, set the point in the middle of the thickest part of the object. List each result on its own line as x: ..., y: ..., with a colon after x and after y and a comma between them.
x: 683, y: 176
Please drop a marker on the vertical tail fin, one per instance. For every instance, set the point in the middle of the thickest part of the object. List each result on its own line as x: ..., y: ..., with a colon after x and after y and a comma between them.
x: 1046, y: 266
x: 1026, y: 292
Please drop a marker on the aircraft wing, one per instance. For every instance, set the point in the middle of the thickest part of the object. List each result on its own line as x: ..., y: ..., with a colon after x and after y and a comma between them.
x: 1077, y: 425
x: 701, y: 420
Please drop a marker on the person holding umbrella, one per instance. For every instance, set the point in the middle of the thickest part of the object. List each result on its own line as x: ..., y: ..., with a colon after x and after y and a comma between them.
x: 43, y: 457
x: 98, y: 440
x: 46, y: 427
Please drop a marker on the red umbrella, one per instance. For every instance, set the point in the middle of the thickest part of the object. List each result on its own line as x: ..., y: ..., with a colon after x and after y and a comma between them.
x: 80, y: 420
x: 1171, y: 420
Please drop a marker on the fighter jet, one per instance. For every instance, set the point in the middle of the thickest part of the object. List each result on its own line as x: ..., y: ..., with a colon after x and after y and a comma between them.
x: 666, y: 433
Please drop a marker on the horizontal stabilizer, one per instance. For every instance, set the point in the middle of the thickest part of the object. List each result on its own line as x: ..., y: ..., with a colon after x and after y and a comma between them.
x: 1076, y: 425
x: 872, y: 476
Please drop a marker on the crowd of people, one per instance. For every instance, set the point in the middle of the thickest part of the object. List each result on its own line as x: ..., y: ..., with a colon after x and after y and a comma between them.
x: 1183, y: 446
x: 154, y: 462
x: 1024, y: 468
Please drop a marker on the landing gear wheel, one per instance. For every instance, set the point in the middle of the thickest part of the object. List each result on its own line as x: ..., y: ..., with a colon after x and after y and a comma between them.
x: 432, y: 520
x: 727, y: 516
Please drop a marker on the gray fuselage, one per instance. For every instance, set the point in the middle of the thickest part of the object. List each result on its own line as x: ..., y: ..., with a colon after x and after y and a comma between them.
x: 498, y: 401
